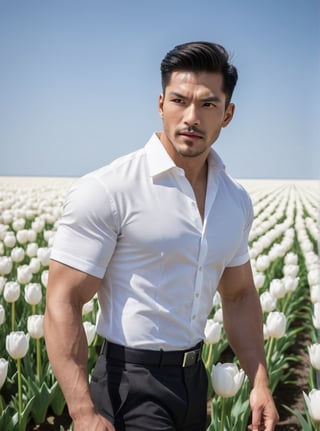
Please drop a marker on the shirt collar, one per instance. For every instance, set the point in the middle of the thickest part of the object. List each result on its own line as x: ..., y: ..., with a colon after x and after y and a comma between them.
x: 159, y: 160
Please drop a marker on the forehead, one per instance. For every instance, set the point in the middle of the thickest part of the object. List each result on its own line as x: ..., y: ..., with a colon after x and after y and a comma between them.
x: 189, y: 81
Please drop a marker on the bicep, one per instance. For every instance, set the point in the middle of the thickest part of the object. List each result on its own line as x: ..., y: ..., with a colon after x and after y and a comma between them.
x: 236, y: 282
x: 67, y: 285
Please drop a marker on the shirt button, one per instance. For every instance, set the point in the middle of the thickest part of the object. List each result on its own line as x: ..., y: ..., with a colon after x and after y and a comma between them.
x: 200, y: 268
x: 197, y: 295
x: 193, y: 317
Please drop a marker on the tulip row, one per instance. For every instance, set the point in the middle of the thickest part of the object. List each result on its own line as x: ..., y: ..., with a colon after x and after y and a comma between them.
x: 283, y: 251
x: 29, y: 215
x: 283, y: 274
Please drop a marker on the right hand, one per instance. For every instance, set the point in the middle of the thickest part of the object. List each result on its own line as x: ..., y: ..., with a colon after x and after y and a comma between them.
x: 95, y: 422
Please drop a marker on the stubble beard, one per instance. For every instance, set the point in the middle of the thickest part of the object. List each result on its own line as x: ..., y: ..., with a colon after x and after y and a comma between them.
x: 189, y: 151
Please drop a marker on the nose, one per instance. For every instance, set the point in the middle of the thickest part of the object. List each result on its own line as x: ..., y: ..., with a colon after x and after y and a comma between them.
x: 191, y: 116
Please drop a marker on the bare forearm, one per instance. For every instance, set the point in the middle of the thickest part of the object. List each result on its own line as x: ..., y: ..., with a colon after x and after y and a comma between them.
x: 244, y: 327
x: 68, y: 352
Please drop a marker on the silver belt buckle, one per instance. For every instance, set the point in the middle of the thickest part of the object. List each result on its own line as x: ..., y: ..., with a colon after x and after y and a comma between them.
x: 190, y: 358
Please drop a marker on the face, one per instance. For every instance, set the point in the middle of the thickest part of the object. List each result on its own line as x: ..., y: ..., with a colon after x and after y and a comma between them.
x: 193, y: 110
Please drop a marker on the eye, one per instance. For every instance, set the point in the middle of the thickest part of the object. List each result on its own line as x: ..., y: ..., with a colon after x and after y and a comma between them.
x: 209, y: 105
x: 177, y: 100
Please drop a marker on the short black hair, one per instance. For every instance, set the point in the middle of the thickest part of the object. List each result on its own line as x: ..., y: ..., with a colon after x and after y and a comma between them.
x: 200, y: 57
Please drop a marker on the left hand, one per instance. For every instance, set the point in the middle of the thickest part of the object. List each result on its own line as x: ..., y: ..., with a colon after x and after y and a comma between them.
x: 264, y: 413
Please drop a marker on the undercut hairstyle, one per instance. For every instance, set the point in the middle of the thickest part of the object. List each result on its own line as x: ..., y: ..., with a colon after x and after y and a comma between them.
x: 200, y: 57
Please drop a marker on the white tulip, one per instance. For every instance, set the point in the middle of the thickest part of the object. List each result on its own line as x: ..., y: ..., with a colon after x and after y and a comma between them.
x: 88, y: 307
x: 314, y: 276
x: 35, y: 326
x: 291, y: 284
x: 226, y: 379
x: 268, y: 301
x: 44, y: 277
x: 7, y: 217
x: 291, y: 259
x: 90, y: 331
x: 314, y: 355
x: 11, y: 291
x: 24, y: 274
x: 276, y: 324
x: 48, y: 234
x: 290, y: 270
x: 3, y: 371
x: 38, y: 225
x: 18, y: 224
x: 218, y: 316
x: 262, y: 262
x: 17, y: 344
x: 2, y: 314
x: 3, y: 281
x: 30, y: 214
x: 313, y: 403
x: 1, y: 248
x: 43, y: 254
x: 216, y: 299
x: 22, y: 236
x: 316, y: 315
x: 33, y: 293
x: 32, y: 235
x: 276, y: 251
x: 17, y: 254
x: 277, y: 288
x: 266, y: 334
x: 10, y: 240
x: 35, y: 265
x: 51, y: 241
x: 5, y: 265
x: 259, y: 279
x: 3, y: 230
x: 32, y: 249
x: 315, y: 293
x: 212, y: 332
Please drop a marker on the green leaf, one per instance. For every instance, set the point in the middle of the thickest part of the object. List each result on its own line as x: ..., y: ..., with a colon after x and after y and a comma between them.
x: 42, y: 400
x: 58, y: 402
x: 301, y: 419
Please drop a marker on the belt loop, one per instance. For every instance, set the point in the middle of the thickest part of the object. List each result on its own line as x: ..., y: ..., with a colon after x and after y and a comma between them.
x: 161, y: 358
x: 104, y: 348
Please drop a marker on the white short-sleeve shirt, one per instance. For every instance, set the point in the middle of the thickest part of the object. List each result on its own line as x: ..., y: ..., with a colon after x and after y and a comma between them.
x: 135, y: 224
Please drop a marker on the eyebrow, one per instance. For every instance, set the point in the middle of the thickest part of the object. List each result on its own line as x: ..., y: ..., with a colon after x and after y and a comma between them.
x: 206, y: 99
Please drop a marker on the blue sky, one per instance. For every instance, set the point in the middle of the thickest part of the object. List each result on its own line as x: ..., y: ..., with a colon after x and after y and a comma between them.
x: 79, y: 81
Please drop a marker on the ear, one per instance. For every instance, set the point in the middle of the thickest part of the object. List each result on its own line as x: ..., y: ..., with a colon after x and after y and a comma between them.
x: 160, y: 104
x: 228, y: 115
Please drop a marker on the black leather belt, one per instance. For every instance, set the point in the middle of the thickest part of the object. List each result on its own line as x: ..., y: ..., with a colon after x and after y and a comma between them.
x: 160, y: 358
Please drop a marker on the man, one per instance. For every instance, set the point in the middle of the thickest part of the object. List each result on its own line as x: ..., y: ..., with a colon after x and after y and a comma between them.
x: 155, y: 233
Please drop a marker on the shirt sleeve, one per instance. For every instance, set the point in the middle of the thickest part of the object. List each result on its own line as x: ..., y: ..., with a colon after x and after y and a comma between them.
x: 87, y: 231
x: 242, y: 254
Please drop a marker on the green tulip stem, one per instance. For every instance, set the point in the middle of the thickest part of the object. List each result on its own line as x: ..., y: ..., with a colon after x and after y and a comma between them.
x: 94, y: 342
x: 223, y: 413
x: 33, y: 309
x: 19, y: 389
x: 13, y: 315
x: 209, y: 356
x: 286, y: 302
x: 38, y: 347
x: 270, y: 349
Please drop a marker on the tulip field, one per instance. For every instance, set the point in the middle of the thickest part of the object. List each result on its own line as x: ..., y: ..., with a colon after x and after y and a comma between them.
x: 284, y: 254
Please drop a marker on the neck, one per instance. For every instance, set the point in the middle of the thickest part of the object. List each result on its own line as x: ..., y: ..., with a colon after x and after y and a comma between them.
x: 195, y: 168
x: 196, y: 172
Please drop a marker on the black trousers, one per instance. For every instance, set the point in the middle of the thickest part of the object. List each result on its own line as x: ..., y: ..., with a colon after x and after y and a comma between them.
x: 138, y: 397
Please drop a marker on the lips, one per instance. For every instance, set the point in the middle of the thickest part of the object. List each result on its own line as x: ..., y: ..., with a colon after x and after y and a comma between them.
x: 191, y: 135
